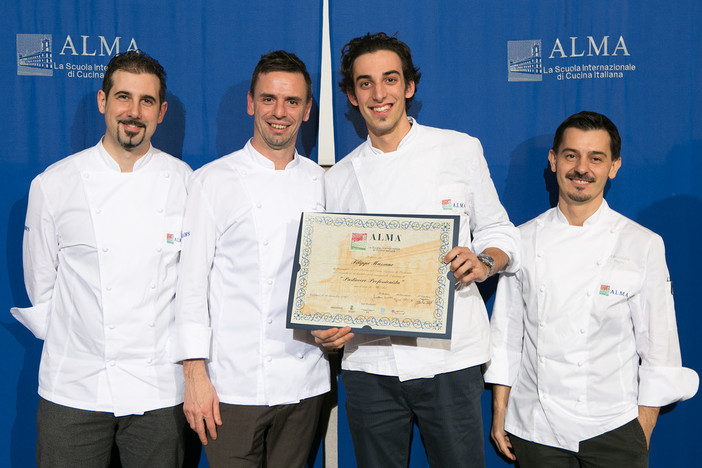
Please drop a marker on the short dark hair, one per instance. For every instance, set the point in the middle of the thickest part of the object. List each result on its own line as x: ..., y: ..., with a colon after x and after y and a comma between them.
x: 373, y: 43
x: 585, y: 120
x: 135, y: 61
x: 283, y: 61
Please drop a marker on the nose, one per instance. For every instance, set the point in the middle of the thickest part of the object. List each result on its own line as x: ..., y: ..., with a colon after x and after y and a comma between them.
x: 134, y: 110
x: 582, y: 165
x: 279, y: 109
x: 379, y: 92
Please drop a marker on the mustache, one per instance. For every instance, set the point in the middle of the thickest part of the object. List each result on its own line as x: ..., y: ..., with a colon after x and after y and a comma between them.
x: 579, y: 175
x: 132, y: 122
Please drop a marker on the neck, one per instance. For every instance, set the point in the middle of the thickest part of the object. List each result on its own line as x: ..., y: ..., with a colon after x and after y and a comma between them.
x: 125, y: 159
x: 388, y: 142
x: 577, y: 213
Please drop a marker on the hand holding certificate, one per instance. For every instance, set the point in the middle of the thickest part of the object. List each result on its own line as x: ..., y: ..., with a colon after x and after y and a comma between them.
x: 375, y: 273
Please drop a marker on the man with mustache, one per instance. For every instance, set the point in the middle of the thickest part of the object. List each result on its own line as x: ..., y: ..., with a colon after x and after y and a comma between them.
x: 584, y: 343
x: 101, y: 247
x: 253, y: 388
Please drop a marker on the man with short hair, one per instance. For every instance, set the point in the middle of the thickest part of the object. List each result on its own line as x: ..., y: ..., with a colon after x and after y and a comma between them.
x: 584, y: 343
x: 101, y: 246
x: 240, y: 230
x: 406, y: 168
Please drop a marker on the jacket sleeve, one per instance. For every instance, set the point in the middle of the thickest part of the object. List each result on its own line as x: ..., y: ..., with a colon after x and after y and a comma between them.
x: 662, y: 379
x: 40, y: 261
x: 193, y: 331
x: 506, y: 331
x: 489, y: 224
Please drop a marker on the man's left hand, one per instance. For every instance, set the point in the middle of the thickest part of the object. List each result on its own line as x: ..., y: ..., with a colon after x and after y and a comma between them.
x: 648, y: 415
x: 465, y: 265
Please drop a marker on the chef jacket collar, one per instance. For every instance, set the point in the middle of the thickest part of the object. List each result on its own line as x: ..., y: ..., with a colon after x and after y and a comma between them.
x: 260, y: 160
x: 594, y: 219
x: 112, y: 164
x: 404, y: 142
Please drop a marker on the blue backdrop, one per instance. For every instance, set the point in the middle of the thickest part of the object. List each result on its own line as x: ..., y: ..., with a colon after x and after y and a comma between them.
x: 506, y: 73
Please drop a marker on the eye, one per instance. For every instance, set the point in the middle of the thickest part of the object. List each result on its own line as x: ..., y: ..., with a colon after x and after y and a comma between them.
x: 391, y: 80
x: 364, y: 84
x: 148, y: 102
x: 293, y: 102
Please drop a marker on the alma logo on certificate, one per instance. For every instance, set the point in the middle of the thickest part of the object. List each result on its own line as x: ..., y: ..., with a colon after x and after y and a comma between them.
x: 604, y: 290
x: 358, y: 240
x: 446, y: 204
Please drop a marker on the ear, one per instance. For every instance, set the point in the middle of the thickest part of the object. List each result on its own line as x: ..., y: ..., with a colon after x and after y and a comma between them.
x: 162, y: 111
x: 616, y: 164
x: 308, y: 107
x: 409, y: 89
x: 352, y: 96
x: 552, y: 160
x: 249, y: 104
x: 101, y: 101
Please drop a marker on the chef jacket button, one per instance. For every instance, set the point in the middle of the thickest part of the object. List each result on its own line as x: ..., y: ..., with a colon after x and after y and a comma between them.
x: 539, y: 255
x: 270, y: 281
x: 541, y: 360
x: 581, y: 398
x: 105, y: 249
x: 167, y: 175
x: 588, y: 294
x: 544, y: 397
x: 258, y: 205
x: 300, y: 355
x: 158, y: 249
x: 160, y: 210
x: 542, y: 288
x: 270, y: 321
x: 112, y: 363
x: 151, y: 324
x: 314, y: 177
x: 111, y: 326
x: 599, y: 262
x: 541, y: 324
x: 580, y: 364
x: 149, y: 361
x: 269, y: 359
x: 109, y: 288
x: 98, y: 211
x: 582, y: 331
x: 153, y: 285
x: 265, y: 242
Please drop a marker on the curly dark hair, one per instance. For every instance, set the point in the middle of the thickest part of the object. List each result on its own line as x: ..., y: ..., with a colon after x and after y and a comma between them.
x: 373, y: 43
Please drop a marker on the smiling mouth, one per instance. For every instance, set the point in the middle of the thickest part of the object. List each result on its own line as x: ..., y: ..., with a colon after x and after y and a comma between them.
x: 131, y: 125
x: 278, y: 126
x: 381, y: 109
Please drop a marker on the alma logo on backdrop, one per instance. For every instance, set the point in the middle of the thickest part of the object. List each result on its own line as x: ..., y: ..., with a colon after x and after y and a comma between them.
x: 35, y: 54
x: 574, y: 56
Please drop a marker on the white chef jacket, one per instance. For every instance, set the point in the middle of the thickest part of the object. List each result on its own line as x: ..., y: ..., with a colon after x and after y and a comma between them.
x: 240, y: 230
x: 433, y: 171
x: 569, y: 329
x: 100, y: 253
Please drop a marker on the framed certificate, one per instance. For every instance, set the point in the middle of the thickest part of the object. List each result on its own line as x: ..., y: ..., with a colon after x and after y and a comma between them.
x: 380, y: 274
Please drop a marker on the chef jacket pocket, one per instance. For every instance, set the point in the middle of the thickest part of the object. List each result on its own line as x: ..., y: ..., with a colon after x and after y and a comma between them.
x: 173, y: 237
x: 620, y: 281
x: 453, y: 199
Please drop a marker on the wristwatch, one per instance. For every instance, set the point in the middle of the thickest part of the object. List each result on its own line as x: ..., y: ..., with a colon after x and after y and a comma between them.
x: 489, y: 261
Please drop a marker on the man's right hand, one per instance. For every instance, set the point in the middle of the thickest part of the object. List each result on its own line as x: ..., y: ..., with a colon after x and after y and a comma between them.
x: 201, y: 405
x: 500, y: 396
x: 333, y: 338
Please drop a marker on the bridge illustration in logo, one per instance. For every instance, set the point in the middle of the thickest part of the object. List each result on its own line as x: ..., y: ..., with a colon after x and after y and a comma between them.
x: 34, y: 55
x: 524, y: 60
